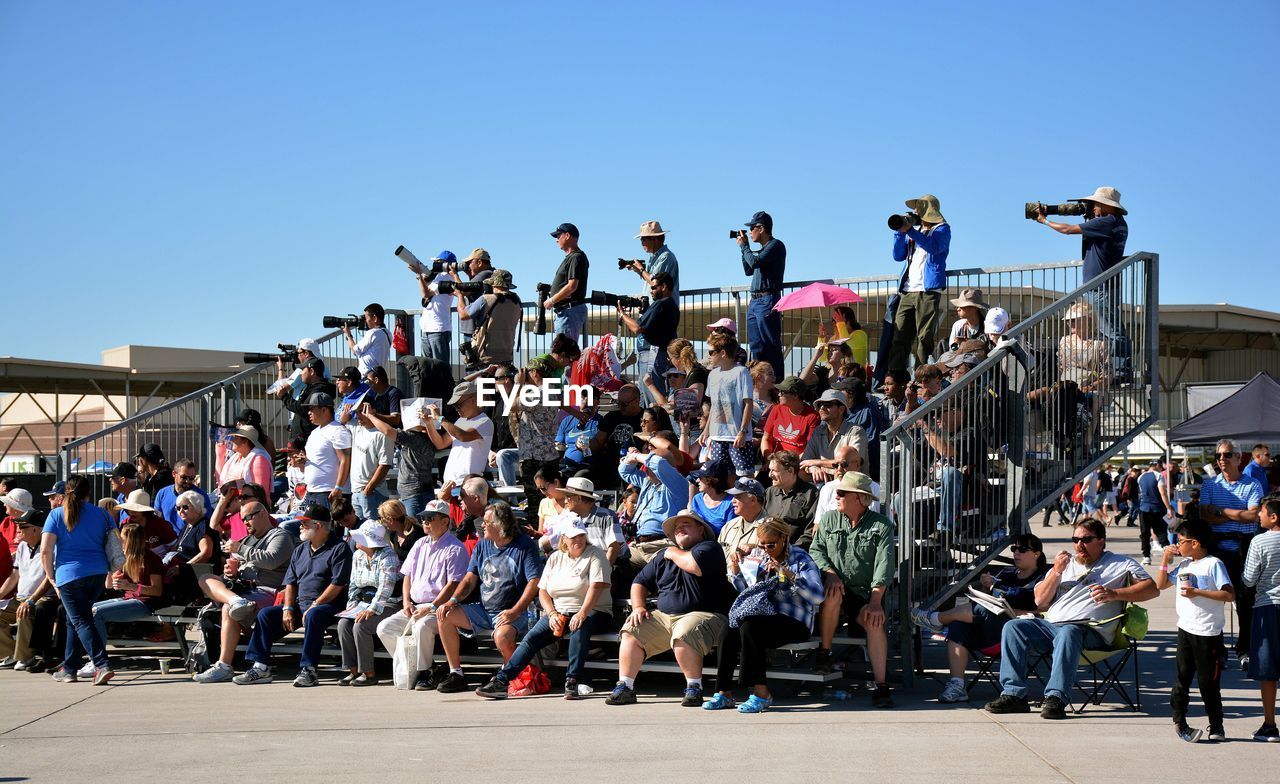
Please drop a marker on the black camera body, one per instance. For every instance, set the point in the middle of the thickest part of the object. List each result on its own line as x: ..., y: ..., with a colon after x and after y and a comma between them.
x: 438, y: 266
x: 472, y: 288
x: 544, y: 291
x: 627, y: 263
x: 350, y: 321
x: 1033, y: 208
x: 288, y: 354
x: 618, y: 300
x: 904, y: 221
x: 736, y: 233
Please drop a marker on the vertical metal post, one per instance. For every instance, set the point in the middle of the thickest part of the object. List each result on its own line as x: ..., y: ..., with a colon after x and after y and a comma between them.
x: 1016, y: 378
x: 204, y: 448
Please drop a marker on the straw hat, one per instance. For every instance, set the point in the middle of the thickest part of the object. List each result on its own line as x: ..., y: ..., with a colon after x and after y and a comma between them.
x: 928, y: 207
x: 970, y: 298
x: 579, y: 485
x: 669, y: 526
x: 138, y: 501
x: 1079, y: 310
x: 1107, y: 196
x: 249, y: 434
x: 651, y: 229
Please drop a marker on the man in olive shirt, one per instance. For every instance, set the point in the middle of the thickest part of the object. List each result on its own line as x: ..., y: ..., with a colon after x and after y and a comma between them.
x: 790, y: 498
x: 854, y: 549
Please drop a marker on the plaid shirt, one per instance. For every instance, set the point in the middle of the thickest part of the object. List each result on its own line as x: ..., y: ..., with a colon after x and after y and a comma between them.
x: 381, y: 572
x: 797, y: 598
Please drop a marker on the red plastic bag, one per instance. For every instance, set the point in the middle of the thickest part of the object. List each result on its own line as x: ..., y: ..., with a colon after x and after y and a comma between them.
x: 531, y: 680
x: 400, y: 340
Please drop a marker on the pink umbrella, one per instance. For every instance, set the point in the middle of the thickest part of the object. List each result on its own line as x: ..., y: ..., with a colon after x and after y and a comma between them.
x: 817, y: 295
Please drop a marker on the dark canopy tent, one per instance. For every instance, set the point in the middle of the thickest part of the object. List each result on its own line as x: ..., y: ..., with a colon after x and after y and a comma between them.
x: 1251, y: 414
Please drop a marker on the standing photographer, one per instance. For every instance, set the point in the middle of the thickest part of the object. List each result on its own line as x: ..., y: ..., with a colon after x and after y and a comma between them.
x: 314, y: 382
x: 923, y: 279
x: 374, y: 348
x: 568, y: 298
x: 656, y: 327
x: 766, y: 268
x: 437, y: 331
x: 494, y: 316
x: 479, y: 268
x: 654, y: 241
x: 1102, y: 240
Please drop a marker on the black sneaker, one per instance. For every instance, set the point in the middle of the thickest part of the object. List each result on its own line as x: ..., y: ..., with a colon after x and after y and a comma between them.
x: 1216, y: 733
x: 307, y: 678
x: 494, y: 690
x: 621, y: 695
x: 1186, y: 733
x: 823, y: 661
x: 1007, y: 703
x: 351, y: 676
x: 424, y: 682
x: 1267, y: 733
x: 452, y: 684
x: 365, y: 680
x: 692, y: 697
x: 882, y: 697
x: 1054, y: 708
x: 571, y: 689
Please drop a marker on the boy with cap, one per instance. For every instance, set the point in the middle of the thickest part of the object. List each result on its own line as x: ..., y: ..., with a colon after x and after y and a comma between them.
x: 766, y: 268
x: 568, y: 298
x: 351, y: 390
x: 470, y: 434
x: 314, y: 382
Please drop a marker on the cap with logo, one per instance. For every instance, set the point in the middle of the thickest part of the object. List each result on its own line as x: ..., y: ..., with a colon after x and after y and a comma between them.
x: 350, y: 374
x: 747, y: 485
x: 435, y: 507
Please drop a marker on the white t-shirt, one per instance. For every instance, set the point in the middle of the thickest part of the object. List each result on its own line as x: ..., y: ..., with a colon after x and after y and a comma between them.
x: 1074, y: 601
x: 372, y: 349
x: 435, y: 311
x: 369, y: 449
x: 728, y: 389
x: 30, y: 570
x: 469, y: 457
x: 1198, y: 615
x: 567, y: 580
x: 961, y: 331
x: 321, y: 474
x: 915, y: 271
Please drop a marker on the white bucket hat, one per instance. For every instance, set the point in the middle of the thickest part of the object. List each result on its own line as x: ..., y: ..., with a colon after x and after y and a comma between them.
x: 1106, y: 195
x: 371, y: 534
x: 138, y: 501
x: 580, y: 485
x: 19, y: 499
x: 651, y: 229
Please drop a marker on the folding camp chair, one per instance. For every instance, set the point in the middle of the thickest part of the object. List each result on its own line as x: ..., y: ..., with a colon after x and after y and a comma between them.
x: 987, y: 660
x: 1106, y: 667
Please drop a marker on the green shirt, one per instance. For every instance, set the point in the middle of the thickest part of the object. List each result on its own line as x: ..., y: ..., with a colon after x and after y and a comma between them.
x: 862, y: 555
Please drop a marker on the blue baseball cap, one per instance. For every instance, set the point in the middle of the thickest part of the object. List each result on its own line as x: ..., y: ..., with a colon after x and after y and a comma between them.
x: 747, y: 485
x: 566, y: 228
x: 58, y: 487
x: 761, y: 219
x: 446, y: 256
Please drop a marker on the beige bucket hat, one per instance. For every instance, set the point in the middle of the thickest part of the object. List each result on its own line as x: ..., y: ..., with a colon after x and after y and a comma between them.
x: 1106, y: 195
x: 928, y: 207
x: 970, y: 298
x: 651, y: 229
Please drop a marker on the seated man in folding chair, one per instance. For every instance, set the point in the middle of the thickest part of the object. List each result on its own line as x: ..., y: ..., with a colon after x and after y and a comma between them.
x: 1083, y: 599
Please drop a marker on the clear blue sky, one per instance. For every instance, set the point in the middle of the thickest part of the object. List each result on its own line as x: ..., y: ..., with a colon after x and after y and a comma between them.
x: 222, y: 174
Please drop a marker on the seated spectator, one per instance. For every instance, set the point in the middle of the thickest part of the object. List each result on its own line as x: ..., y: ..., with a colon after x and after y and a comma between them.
x: 865, y: 413
x: 17, y: 506
x: 689, y: 580
x: 971, y: 311
x: 254, y: 571
x: 154, y: 471
x: 627, y: 503
x: 248, y: 461
x: 473, y: 500
x: 764, y: 387
x: 972, y: 627
x: 847, y: 459
x: 845, y: 327
x: 925, y: 385
x: 996, y: 323
x: 663, y: 493
x: 613, y: 438
x: 854, y: 548
x: 791, y: 423
x: 315, y: 588
x: 574, y: 596
x: 955, y: 364
x: 655, y: 419
x: 505, y: 568
x: 573, y: 438
x: 157, y: 532
x: 535, y: 427
x: 840, y: 365
x: 195, y: 543
x: 789, y: 498
x: 375, y: 570
x: 504, y: 455
x: 123, y: 480
x: 403, y: 531
x: 551, y: 487
x: 739, y: 534
x: 165, y: 500
x: 711, y: 502
x: 792, y: 585
x: 951, y: 449
x: 141, y: 581
x: 1083, y: 599
x: 603, y: 530
x: 33, y: 607
x: 893, y: 397
x: 818, y: 457
x: 418, y: 443
x: 432, y: 572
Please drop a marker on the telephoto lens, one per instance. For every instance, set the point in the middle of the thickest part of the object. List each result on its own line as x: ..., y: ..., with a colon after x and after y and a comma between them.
x: 904, y: 221
x: 1033, y: 208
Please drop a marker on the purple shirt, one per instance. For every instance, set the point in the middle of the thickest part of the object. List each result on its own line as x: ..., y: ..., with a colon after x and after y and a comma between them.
x: 432, y: 565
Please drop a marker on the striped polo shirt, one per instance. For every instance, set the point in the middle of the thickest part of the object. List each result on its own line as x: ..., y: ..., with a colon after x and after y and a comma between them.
x: 1244, y: 493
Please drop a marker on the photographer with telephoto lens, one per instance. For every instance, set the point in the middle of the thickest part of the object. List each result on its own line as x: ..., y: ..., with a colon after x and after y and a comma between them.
x: 921, y: 239
x: 372, y: 349
x: 494, y: 316
x: 437, y: 331
x: 479, y: 268
x: 656, y: 327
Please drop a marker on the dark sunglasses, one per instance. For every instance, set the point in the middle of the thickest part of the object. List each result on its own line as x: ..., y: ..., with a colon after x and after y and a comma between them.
x: 1083, y: 539
x: 1016, y: 549
x: 1225, y: 454
x: 191, y: 478
x: 772, y: 545
x: 183, y: 507
x: 249, y: 515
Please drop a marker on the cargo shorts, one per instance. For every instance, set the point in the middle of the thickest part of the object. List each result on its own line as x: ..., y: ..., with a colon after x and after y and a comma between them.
x: 701, y: 631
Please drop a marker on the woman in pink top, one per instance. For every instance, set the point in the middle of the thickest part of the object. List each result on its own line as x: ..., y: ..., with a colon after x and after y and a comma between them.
x: 248, y: 462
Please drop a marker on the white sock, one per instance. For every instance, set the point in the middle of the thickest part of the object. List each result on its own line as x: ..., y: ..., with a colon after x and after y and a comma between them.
x: 260, y: 667
x: 694, y: 683
x: 456, y: 671
x: 222, y: 665
x: 935, y: 619
x: 630, y: 683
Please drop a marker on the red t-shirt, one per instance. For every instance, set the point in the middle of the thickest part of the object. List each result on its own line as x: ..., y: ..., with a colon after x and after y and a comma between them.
x: 9, y: 533
x: 790, y: 431
x: 151, y: 565
x: 159, y: 532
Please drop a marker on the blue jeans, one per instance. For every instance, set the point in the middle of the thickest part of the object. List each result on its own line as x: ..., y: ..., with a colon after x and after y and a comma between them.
x: 270, y: 627
x: 651, y: 362
x: 571, y: 321
x: 321, y: 499
x: 414, y: 502
x: 1023, y: 636
x: 950, y: 486
x: 764, y: 329
x: 1106, y: 308
x: 366, y: 506
x: 118, y: 611
x: 436, y: 345
x: 78, y: 597
x: 508, y: 466
x: 540, y: 636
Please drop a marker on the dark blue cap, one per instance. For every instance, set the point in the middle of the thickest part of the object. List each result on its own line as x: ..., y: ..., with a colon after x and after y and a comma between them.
x: 58, y: 487
x: 446, y: 256
x: 718, y: 468
x: 762, y: 219
x: 747, y: 485
x: 566, y: 228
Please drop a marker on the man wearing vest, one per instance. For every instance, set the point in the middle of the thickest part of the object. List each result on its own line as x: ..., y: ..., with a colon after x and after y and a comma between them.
x: 495, y: 316
x: 924, y: 277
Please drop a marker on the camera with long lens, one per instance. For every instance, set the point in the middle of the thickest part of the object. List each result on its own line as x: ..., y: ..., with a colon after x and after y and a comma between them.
x: 544, y: 291
x: 350, y: 321
x: 418, y: 268
x: 472, y: 288
x: 904, y: 221
x: 1033, y: 209
x: 288, y: 354
x: 627, y: 263
x: 618, y: 300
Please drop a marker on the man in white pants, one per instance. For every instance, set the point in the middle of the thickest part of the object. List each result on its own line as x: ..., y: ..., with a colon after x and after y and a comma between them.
x: 432, y: 571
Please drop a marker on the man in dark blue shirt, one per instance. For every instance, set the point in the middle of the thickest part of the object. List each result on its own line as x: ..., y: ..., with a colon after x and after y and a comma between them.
x: 1102, y: 239
x: 315, y: 591
x: 766, y: 268
x: 656, y: 328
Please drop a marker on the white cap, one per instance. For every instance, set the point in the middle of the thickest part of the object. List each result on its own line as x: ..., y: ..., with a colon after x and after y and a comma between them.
x: 997, y: 321
x: 371, y: 534
x: 310, y: 344
x: 571, y: 527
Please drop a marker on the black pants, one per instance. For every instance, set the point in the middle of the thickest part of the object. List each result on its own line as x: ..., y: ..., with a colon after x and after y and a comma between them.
x: 1233, y: 560
x: 1153, y: 523
x: 748, y: 646
x: 1200, y: 658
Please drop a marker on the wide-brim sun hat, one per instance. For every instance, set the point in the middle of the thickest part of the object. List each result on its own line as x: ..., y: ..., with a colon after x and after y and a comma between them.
x: 138, y: 501
x: 651, y: 229
x: 1105, y: 195
x: 970, y: 298
x: 928, y: 207
x: 580, y: 485
x: 669, y: 526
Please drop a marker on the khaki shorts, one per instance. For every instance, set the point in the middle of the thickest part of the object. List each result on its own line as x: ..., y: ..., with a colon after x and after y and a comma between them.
x: 701, y: 631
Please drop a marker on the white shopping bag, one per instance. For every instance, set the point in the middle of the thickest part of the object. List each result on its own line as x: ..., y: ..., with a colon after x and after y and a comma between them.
x: 404, y: 660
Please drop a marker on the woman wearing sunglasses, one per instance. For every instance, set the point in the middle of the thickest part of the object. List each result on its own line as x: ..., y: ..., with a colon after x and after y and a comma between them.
x: 972, y: 627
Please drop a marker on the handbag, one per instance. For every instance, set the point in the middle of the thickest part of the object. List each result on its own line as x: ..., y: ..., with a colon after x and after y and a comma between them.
x: 115, y: 553
x: 755, y: 600
x: 404, y: 659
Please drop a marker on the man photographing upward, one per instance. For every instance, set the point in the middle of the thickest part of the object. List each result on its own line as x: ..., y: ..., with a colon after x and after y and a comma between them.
x: 375, y: 346
x: 656, y: 328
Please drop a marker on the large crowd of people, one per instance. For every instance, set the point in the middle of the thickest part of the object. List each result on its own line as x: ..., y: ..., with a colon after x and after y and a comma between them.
x: 744, y: 510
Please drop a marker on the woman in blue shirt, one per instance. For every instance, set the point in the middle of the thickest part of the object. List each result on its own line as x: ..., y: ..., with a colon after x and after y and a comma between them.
x: 711, y: 502
x: 73, y: 549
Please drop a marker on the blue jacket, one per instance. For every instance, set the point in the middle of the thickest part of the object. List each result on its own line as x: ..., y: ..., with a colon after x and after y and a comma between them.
x: 936, y: 243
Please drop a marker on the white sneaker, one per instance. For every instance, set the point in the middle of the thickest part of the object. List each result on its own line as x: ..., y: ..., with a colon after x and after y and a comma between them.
x: 218, y: 673
x: 242, y: 610
x: 25, y: 664
x: 955, y: 692
x: 1146, y: 560
x: 85, y: 671
x: 920, y: 617
x: 8, y: 662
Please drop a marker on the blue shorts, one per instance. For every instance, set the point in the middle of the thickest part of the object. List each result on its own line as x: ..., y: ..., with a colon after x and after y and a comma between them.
x: 1264, y: 645
x: 484, y: 621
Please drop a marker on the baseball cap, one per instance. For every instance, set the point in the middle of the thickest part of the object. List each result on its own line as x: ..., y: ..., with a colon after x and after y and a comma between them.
x: 152, y: 453
x: 61, y: 487
x: 996, y: 322
x: 465, y: 389
x: 479, y: 253
x: 445, y: 256
x: 309, y: 344
x: 566, y: 228
x: 761, y: 218
x: 716, y: 468
x: 791, y: 385
x: 314, y: 363
x: 435, y: 507
x: 727, y: 323
x: 124, y: 471
x: 349, y: 373
x: 747, y: 485
x: 319, y: 400
x: 572, y: 527
x: 833, y: 396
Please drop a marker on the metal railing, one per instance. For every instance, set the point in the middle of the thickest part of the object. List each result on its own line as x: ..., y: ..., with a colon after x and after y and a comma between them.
x: 1068, y: 388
